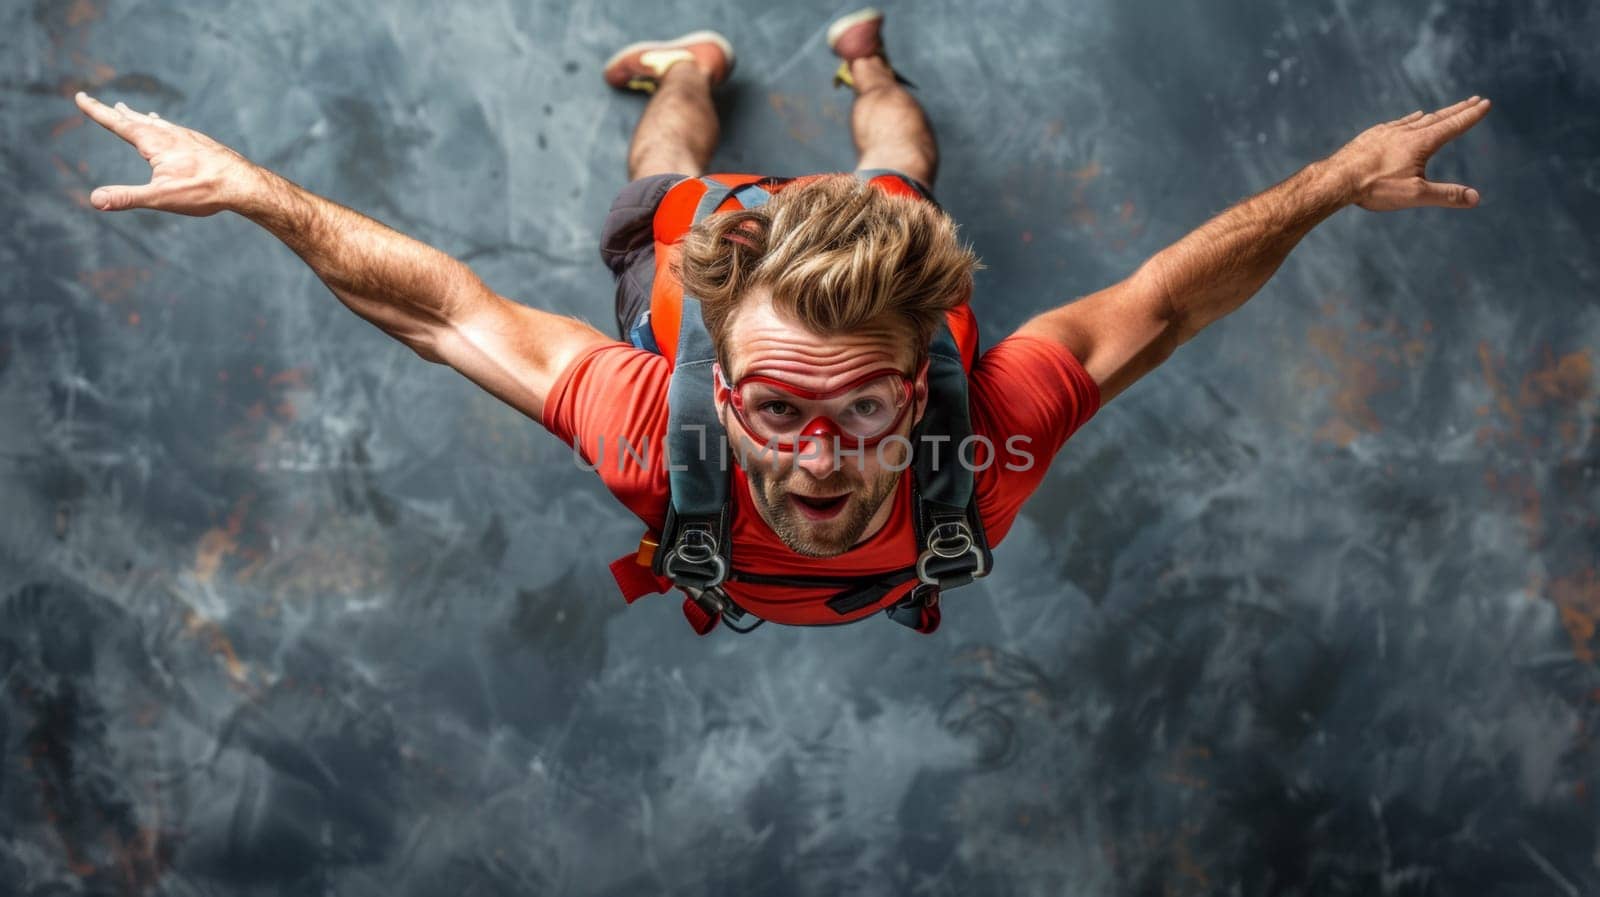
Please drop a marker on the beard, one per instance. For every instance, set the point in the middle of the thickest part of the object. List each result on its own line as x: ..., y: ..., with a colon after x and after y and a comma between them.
x: 820, y: 538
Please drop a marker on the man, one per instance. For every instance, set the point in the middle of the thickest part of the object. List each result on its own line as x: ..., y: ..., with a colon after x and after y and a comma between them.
x: 819, y: 307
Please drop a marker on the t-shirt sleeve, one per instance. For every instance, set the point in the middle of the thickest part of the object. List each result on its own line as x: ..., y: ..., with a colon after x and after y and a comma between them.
x: 1028, y: 395
x: 610, y: 406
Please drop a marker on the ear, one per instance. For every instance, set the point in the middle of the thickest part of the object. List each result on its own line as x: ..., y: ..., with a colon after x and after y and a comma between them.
x: 919, y: 393
x: 719, y: 388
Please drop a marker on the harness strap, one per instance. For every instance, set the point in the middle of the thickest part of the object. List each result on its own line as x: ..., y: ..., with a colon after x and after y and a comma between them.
x: 843, y: 582
x: 636, y: 580
x: 696, y: 551
x: 855, y: 593
x: 952, y: 547
x: 920, y: 610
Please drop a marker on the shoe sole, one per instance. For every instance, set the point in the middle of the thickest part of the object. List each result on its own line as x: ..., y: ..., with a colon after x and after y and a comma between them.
x: 841, y: 25
x: 697, y: 37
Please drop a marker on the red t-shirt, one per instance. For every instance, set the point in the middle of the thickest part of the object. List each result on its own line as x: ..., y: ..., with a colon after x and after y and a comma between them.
x: 1022, y: 386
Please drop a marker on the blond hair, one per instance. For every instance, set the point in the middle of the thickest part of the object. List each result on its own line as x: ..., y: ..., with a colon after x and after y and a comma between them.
x: 836, y: 254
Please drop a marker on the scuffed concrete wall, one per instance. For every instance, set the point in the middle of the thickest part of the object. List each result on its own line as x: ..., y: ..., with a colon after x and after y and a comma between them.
x: 1310, y: 610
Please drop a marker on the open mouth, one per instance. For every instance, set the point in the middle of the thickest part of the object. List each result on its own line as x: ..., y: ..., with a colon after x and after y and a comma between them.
x: 819, y: 508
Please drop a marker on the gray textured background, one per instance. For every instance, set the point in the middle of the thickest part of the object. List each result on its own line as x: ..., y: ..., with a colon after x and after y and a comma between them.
x: 1310, y: 610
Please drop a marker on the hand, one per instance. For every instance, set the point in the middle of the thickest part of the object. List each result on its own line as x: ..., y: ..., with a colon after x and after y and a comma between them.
x: 190, y: 173
x: 1385, y: 163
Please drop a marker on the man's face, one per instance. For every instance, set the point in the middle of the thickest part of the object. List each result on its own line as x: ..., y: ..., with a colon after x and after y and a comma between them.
x: 764, y: 343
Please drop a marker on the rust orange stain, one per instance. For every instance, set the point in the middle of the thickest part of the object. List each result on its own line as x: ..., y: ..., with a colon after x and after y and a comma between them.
x: 146, y: 715
x: 295, y: 377
x: 1358, y: 361
x: 66, y: 124
x: 1522, y: 488
x: 140, y: 860
x: 1568, y: 430
x: 1502, y: 396
x: 1559, y: 395
x: 1554, y: 391
x: 221, y: 541
x: 1356, y: 381
x: 1180, y: 774
x: 257, y: 560
x: 1083, y: 176
x: 1577, y: 598
x: 801, y: 128
x: 216, y: 641
x: 82, y: 12
x: 99, y: 73
x: 1564, y: 380
x: 113, y: 284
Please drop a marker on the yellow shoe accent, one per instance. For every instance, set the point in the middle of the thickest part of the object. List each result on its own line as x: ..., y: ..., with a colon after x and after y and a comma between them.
x: 659, y: 61
x: 644, y: 85
x: 842, y: 78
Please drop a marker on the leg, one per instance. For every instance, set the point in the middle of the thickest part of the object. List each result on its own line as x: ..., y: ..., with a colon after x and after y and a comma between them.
x: 678, y: 131
x: 888, y: 125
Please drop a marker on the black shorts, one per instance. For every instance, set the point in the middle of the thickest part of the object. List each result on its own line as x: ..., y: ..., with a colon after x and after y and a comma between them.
x: 627, y: 241
x: 628, y: 246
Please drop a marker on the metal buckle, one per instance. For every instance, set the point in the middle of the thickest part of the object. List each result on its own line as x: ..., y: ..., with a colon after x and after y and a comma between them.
x: 696, y: 546
x: 950, y: 540
x: 944, y: 535
x: 924, y: 595
x: 719, y: 572
x: 717, y: 603
x: 712, y: 599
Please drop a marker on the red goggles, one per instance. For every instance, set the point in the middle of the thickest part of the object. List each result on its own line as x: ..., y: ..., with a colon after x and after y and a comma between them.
x: 859, y: 414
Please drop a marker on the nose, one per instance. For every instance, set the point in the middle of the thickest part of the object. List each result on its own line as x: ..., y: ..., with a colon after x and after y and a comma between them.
x: 817, y: 440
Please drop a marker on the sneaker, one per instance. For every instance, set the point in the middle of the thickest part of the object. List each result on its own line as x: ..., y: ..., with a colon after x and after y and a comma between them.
x: 857, y: 36
x: 640, y: 66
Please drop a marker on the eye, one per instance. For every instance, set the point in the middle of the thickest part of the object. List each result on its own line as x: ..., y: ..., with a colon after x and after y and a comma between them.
x: 775, y: 408
x: 866, y: 407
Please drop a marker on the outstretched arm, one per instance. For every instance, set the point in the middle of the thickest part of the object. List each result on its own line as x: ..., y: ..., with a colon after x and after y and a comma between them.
x: 1128, y: 329
x: 422, y: 297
